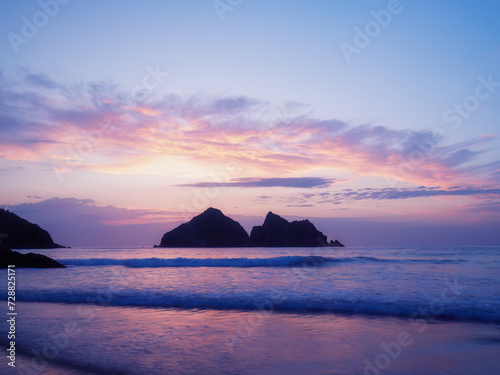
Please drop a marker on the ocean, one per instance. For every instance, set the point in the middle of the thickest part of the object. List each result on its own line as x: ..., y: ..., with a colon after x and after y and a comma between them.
x: 354, y: 310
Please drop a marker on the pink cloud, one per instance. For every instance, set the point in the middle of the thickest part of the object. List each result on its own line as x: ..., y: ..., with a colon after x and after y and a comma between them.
x: 106, y: 129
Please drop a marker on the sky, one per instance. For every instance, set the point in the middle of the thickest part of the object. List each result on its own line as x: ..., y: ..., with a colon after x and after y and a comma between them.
x: 376, y: 120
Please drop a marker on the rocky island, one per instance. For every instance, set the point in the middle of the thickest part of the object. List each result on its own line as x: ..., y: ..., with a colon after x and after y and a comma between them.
x: 214, y: 229
x: 279, y: 232
x: 210, y: 229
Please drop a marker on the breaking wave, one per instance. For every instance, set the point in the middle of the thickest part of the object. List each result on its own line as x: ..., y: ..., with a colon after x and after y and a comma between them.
x: 284, y: 261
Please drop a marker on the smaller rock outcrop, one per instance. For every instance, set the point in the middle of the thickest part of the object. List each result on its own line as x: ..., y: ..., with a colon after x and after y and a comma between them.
x: 209, y: 229
x: 335, y: 243
x: 18, y: 233
x: 278, y: 232
x: 30, y: 260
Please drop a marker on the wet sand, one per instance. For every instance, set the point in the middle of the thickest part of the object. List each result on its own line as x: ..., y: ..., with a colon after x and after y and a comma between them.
x: 86, y: 339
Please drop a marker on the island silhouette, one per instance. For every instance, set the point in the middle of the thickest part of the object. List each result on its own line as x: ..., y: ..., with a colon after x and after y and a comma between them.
x: 214, y: 229
x: 18, y: 233
x: 209, y: 229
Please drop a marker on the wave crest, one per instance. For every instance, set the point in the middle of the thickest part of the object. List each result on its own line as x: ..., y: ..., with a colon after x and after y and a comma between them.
x: 284, y: 261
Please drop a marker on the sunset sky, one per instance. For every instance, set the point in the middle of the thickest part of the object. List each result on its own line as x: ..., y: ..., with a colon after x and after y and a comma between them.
x: 377, y: 120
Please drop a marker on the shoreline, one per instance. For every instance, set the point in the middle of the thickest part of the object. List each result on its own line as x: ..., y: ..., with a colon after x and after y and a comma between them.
x: 262, y: 343
x: 30, y: 364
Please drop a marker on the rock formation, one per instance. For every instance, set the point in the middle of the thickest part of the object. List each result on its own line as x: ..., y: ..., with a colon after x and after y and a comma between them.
x: 18, y: 233
x: 213, y: 229
x: 209, y: 229
x: 278, y: 232
x: 30, y: 260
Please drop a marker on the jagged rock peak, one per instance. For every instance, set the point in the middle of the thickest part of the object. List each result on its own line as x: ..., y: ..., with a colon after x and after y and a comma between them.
x: 212, y: 228
x: 278, y: 232
x: 209, y: 229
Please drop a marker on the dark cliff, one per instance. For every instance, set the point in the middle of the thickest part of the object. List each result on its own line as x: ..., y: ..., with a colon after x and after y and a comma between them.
x: 18, y: 233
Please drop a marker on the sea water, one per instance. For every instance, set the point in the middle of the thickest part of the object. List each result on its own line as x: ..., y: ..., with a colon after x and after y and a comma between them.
x: 432, y: 310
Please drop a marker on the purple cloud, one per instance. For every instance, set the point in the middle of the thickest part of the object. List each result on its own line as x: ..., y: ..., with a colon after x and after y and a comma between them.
x: 80, y: 222
x: 40, y: 116
x: 250, y: 182
x: 401, y: 193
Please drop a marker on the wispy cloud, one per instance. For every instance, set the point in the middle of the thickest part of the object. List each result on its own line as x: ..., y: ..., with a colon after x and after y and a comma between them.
x: 49, y: 122
x: 403, y: 193
x: 290, y: 182
x: 487, y: 208
x: 11, y: 169
x: 37, y: 79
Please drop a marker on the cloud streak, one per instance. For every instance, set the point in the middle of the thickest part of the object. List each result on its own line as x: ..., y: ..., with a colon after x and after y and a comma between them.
x: 249, y: 182
x: 402, y: 193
